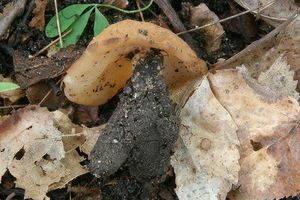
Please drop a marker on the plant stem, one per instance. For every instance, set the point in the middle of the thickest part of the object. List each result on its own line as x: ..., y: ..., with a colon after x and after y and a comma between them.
x: 58, y: 24
x: 125, y: 11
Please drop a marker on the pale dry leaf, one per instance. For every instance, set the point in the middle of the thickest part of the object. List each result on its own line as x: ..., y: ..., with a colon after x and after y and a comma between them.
x: 11, y: 95
x: 263, y: 123
x: 206, y: 156
x: 30, y: 134
x: 279, y: 78
x: 33, y: 142
x: 285, y: 44
x: 91, y: 135
x: 201, y: 15
x: 72, y: 169
x: 278, y: 163
x: 63, y: 123
x: 38, y: 20
x: 74, y: 136
x: 275, y: 83
x: 275, y: 14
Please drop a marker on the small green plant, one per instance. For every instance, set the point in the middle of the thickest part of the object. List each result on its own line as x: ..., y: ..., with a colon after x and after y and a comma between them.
x: 6, y: 86
x: 75, y: 18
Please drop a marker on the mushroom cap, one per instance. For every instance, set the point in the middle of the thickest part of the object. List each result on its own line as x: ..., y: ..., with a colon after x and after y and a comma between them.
x: 106, y: 65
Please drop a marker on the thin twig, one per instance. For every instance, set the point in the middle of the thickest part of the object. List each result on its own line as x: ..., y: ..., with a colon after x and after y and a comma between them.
x: 257, y: 44
x: 139, y: 7
x: 58, y: 24
x: 13, y: 106
x: 48, y: 93
x: 262, y: 15
x: 226, y: 19
x: 151, y: 11
x: 50, y: 44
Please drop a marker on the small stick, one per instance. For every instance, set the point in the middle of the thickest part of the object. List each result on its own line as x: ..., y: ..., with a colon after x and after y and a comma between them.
x: 139, y: 7
x: 225, y: 19
x: 48, y: 93
x: 50, y: 44
x: 58, y: 24
x: 13, y: 106
x: 257, y: 44
x: 57, y: 91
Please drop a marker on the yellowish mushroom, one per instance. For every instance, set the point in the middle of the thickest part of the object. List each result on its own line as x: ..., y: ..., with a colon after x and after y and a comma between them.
x: 106, y: 64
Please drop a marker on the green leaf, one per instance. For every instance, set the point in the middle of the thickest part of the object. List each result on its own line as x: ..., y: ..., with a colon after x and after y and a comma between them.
x: 6, y: 86
x: 67, y: 17
x: 100, y: 22
x: 77, y: 29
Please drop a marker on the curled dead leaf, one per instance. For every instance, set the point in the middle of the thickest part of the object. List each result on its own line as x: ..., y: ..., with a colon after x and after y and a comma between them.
x: 38, y: 21
x: 201, y: 15
x: 206, y: 158
x: 264, y: 124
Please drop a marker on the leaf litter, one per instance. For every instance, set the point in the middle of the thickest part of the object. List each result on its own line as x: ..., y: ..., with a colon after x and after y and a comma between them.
x: 239, y: 132
x: 32, y: 139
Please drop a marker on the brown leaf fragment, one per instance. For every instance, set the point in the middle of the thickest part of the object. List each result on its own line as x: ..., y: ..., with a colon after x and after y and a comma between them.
x: 36, y: 93
x: 261, y: 54
x: 72, y: 169
x: 244, y: 24
x: 265, y: 131
x: 206, y: 155
x: 31, y: 149
x: 39, y: 149
x: 201, y: 15
x: 30, y: 71
x: 278, y: 164
x: 38, y: 21
x: 276, y: 82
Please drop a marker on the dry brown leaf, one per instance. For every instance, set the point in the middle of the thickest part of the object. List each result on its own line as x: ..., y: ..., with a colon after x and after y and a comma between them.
x: 66, y: 127
x: 278, y: 163
x: 264, y: 123
x: 72, y: 169
x: 286, y: 44
x: 206, y: 155
x: 74, y: 136
x: 31, y: 149
x: 38, y: 21
x: 275, y: 14
x: 33, y: 142
x: 201, y: 15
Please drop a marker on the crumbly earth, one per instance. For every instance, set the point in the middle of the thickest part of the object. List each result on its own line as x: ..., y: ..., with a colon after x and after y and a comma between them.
x: 142, y: 129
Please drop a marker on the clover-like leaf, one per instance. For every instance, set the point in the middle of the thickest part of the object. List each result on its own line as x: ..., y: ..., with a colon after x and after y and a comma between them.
x: 77, y: 28
x: 67, y: 17
x: 6, y: 86
x: 100, y: 22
